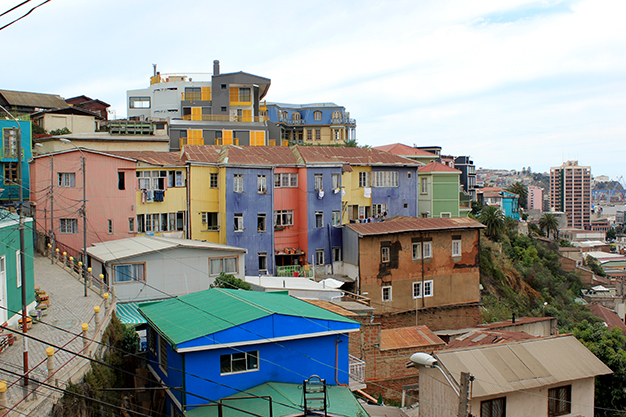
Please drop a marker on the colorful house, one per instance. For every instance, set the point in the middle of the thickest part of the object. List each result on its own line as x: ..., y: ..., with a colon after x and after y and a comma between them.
x: 410, y: 152
x: 439, y: 191
x: 241, y: 340
x: 10, y: 267
x: 507, y: 201
x: 9, y: 188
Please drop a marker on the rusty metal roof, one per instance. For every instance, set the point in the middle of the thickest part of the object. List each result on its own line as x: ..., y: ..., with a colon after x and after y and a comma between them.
x: 202, y: 153
x: 523, y: 365
x: 352, y: 156
x: 23, y: 98
x: 151, y: 157
x: 437, y: 167
x: 408, y: 337
x: 401, y: 149
x: 488, y: 337
x: 610, y: 318
x: 332, y: 308
x: 518, y: 322
x: 401, y: 224
x: 259, y: 155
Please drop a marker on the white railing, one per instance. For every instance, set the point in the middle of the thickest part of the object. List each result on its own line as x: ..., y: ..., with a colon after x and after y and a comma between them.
x: 356, y: 369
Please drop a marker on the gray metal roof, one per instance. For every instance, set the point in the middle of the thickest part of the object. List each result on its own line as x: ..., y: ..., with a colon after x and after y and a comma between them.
x: 524, y: 365
x: 135, y: 246
x: 24, y: 98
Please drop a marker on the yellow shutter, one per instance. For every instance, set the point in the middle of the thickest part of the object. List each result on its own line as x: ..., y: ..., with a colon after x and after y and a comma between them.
x: 196, y: 114
x: 272, y: 142
x: 257, y: 138
x: 206, y: 93
x: 194, y: 137
x: 227, y: 134
x: 234, y: 94
x: 247, y: 115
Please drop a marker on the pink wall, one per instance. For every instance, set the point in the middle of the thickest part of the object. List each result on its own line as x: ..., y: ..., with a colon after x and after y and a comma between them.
x: 535, y: 197
x: 104, y: 200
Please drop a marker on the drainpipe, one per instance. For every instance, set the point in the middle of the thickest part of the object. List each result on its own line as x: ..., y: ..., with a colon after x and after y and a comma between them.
x: 187, y: 205
x: 422, y: 254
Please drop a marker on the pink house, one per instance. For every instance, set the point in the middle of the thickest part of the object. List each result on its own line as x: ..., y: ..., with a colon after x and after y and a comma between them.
x: 57, y: 197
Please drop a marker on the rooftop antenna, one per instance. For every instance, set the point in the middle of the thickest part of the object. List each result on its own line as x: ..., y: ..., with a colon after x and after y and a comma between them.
x: 154, y: 69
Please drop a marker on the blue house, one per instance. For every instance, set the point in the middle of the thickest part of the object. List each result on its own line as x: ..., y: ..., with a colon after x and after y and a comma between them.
x: 506, y: 200
x: 218, y: 343
x: 9, y: 194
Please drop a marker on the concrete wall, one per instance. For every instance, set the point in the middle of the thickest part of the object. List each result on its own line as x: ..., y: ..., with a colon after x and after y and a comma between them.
x: 75, y: 123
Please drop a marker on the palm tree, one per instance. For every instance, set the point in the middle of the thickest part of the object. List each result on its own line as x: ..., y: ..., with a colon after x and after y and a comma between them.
x: 522, y: 191
x: 549, y: 222
x: 493, y: 218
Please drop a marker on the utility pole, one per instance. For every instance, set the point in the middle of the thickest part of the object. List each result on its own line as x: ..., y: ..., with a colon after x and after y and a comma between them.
x: 84, y: 269
x: 464, y: 394
x: 52, y: 237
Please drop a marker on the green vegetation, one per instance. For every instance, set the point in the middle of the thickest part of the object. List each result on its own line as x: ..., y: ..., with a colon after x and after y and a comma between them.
x: 230, y: 281
x: 522, y: 191
x: 593, y: 264
x: 493, y: 218
x: 57, y: 132
x: 549, y: 223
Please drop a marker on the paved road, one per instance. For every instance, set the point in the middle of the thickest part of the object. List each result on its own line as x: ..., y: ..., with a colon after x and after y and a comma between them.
x: 68, y: 310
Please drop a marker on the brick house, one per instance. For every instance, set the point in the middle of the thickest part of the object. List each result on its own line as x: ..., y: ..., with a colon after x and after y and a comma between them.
x: 422, y: 271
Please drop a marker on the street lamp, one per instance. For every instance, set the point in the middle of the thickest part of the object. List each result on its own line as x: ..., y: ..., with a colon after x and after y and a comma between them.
x: 69, y: 142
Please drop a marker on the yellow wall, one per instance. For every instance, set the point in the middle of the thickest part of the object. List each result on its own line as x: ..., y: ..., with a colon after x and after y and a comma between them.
x: 354, y: 194
x: 203, y: 199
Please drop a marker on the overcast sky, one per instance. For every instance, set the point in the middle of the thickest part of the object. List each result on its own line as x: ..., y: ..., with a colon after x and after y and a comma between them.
x: 511, y: 83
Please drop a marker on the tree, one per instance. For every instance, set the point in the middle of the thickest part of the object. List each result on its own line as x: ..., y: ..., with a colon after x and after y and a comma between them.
x: 230, y: 281
x: 549, y: 223
x: 477, y: 207
x: 521, y: 190
x: 595, y: 267
x: 611, y: 234
x: 493, y: 218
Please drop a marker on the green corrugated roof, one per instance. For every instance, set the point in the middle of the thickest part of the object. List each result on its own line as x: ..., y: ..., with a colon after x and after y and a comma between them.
x: 286, y: 400
x: 128, y: 314
x: 218, y: 309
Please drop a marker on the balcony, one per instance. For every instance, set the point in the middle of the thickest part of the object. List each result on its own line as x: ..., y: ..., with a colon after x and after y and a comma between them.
x: 224, y: 118
x: 291, y: 122
x: 342, y: 121
x: 356, y: 373
x: 195, y: 96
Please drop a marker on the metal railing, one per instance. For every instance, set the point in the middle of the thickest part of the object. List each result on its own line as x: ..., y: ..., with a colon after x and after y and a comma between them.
x: 342, y: 121
x: 293, y: 271
x: 224, y: 118
x: 350, y: 296
x: 356, y: 370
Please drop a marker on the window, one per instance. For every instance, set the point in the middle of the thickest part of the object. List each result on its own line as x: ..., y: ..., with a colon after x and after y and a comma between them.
x: 223, y: 109
x: 18, y: 268
x: 9, y: 148
x: 67, y: 179
x: 319, y: 219
x: 385, y: 179
x: 238, y: 183
x: 318, y: 134
x: 456, y: 247
x: 319, y: 257
x: 121, y: 180
x: 427, y: 250
x: 445, y: 215
x: 317, y: 116
x: 110, y: 226
x: 262, y: 261
x: 261, y: 184
x: 128, y: 272
x: 141, y: 221
x: 335, y: 181
x: 131, y: 225
x: 319, y: 181
x: 152, y: 341
x: 223, y: 86
x: 493, y: 408
x: 10, y: 173
x: 336, y: 134
x: 417, y: 250
x: 408, y: 174
x: 244, y: 94
x: 139, y: 102
x: 225, y: 265
x: 384, y: 254
x: 417, y: 253
x: 336, y: 218
x: 261, y: 223
x: 417, y: 290
x: 295, y: 116
x: 560, y: 401
x: 309, y: 134
x: 379, y: 209
x: 239, y: 362
x: 210, y: 220
x: 364, y: 179
x: 285, y: 179
x: 238, y: 222
x: 336, y: 115
x: 175, y: 179
x: 68, y: 226
x: 337, y: 254
x: 163, y: 354
x: 424, y: 187
x: 428, y: 288
x: 213, y: 180
x: 386, y: 293
x: 283, y: 218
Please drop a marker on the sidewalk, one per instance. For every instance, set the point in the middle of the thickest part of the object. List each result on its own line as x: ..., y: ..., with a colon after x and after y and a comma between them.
x: 68, y: 310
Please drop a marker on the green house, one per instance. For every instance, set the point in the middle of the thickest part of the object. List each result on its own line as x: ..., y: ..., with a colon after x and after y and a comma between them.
x: 10, y: 271
x: 439, y: 191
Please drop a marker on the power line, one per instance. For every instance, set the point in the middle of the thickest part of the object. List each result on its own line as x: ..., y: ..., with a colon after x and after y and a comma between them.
x: 24, y: 15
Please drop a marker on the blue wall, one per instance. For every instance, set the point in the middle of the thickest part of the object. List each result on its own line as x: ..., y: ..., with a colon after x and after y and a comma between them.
x: 396, y: 197
x: 510, y: 205
x: 11, y: 192
x: 318, y: 238
x: 250, y: 203
x: 174, y: 377
x: 290, y: 361
x: 306, y: 114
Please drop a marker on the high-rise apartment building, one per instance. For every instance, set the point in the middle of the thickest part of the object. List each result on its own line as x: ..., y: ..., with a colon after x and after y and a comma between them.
x: 535, y: 198
x: 570, y: 192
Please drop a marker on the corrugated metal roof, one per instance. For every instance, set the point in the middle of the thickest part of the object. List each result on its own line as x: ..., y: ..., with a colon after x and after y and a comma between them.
x: 353, y: 156
x: 401, y: 149
x: 23, y: 98
x: 326, y: 305
x: 437, y: 167
x: 524, y: 365
x: 128, y: 314
x: 218, y: 309
x: 488, y: 337
x: 202, y: 153
x: 518, y: 322
x: 408, y: 337
x: 402, y: 224
x: 134, y: 246
x: 259, y: 155
x: 610, y: 318
x: 152, y: 157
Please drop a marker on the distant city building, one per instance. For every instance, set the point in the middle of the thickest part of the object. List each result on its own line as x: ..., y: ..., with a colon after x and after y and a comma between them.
x: 535, y: 198
x: 319, y: 123
x: 570, y: 192
x: 468, y: 175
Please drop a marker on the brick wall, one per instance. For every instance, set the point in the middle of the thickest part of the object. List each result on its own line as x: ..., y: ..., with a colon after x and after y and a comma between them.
x: 457, y: 317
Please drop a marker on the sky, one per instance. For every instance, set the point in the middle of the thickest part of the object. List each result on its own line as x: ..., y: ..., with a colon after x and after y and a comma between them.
x: 512, y: 84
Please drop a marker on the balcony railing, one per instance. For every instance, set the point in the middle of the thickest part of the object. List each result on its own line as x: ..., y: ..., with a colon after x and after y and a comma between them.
x: 342, y: 121
x: 223, y: 118
x: 195, y: 96
x: 356, y: 370
x: 293, y: 122
x: 350, y: 296
x: 293, y: 271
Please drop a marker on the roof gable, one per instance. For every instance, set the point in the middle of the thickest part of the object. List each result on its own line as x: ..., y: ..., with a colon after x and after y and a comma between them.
x: 437, y: 167
x: 38, y: 100
x: 401, y: 149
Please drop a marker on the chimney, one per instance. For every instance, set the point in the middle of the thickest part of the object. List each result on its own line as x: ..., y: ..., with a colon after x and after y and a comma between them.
x: 216, y: 67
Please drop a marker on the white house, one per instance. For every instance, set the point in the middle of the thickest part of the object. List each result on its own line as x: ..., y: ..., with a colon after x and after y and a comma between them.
x: 551, y: 376
x: 151, y: 267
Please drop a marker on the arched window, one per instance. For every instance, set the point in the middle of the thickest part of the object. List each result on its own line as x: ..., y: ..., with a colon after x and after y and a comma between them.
x: 336, y: 115
x: 295, y: 116
x: 317, y: 115
x: 285, y: 115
